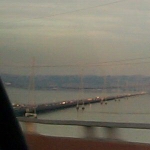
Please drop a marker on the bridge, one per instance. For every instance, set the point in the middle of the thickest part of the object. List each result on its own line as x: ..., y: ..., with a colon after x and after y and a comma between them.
x: 90, y: 140
x: 85, y: 123
x: 20, y: 110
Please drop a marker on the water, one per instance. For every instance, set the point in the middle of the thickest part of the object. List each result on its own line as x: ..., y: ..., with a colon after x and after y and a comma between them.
x: 134, y: 109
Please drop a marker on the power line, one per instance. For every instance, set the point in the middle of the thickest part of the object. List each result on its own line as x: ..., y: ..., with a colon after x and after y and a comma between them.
x: 105, y: 63
x: 77, y: 10
x: 122, y: 60
x: 122, y: 64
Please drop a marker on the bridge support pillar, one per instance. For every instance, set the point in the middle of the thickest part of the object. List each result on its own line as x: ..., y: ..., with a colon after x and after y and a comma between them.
x: 111, y: 133
x: 29, y: 127
x: 89, y: 132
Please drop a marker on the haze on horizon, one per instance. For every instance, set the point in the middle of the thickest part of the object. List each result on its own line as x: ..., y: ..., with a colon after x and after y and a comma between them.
x: 85, y: 33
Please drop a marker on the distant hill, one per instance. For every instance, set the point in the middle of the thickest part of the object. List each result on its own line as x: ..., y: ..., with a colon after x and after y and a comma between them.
x: 76, y: 82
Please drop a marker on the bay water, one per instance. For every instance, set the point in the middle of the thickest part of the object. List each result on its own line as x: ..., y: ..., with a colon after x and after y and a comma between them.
x: 129, y: 110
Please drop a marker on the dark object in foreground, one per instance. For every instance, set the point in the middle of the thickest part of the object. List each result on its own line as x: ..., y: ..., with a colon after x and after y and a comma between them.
x: 12, y: 137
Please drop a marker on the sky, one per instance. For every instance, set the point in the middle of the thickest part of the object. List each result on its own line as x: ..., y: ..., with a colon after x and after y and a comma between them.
x: 66, y: 37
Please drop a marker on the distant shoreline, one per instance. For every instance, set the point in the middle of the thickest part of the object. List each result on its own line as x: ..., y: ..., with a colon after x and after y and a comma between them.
x: 74, y: 82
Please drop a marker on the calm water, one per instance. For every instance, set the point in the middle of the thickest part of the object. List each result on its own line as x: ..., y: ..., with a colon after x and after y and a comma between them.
x: 135, y: 109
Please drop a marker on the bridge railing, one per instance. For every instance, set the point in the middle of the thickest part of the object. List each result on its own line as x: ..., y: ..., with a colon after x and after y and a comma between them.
x: 89, y: 126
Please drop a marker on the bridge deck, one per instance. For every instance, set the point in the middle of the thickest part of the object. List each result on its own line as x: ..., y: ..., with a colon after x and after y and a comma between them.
x: 41, y: 108
x: 86, y: 123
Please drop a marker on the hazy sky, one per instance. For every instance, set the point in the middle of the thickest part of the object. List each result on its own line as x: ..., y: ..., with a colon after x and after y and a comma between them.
x: 75, y: 32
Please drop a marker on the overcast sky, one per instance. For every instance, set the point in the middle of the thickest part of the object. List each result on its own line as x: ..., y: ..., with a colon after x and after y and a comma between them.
x: 75, y: 32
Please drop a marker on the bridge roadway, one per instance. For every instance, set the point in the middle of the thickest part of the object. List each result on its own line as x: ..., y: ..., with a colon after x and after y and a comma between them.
x: 47, y: 107
x: 88, y: 127
x: 86, y: 123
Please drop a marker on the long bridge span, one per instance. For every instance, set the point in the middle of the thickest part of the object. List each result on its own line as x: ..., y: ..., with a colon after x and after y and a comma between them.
x: 20, y: 110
